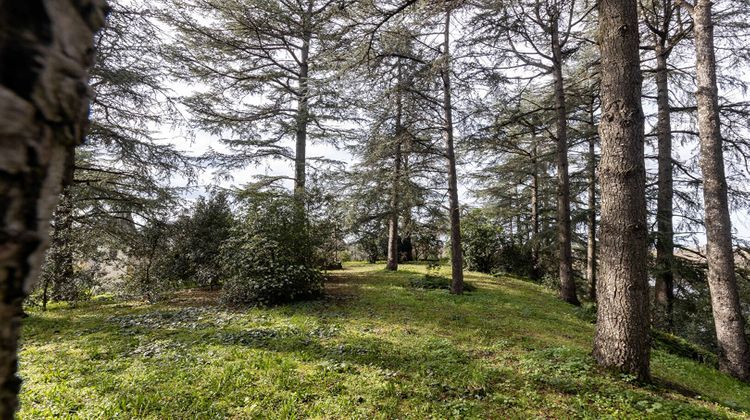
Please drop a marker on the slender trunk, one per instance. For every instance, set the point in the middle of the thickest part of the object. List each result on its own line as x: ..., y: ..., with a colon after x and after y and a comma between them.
x: 44, y: 59
x: 664, y: 286
x: 457, y: 284
x: 734, y: 355
x: 510, y: 230
x: 520, y: 233
x: 393, y: 241
x: 534, y: 210
x: 45, y: 292
x: 622, y: 329
x: 565, y: 257
x: 409, y: 248
x: 591, y: 216
x: 303, y: 116
x: 61, y: 246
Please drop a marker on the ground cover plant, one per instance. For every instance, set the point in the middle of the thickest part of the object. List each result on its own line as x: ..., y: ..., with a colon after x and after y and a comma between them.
x: 371, y: 348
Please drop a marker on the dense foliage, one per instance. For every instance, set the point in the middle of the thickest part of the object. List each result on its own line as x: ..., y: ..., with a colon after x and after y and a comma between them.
x: 268, y: 258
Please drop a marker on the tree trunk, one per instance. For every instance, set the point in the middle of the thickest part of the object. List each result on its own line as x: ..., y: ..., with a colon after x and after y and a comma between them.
x: 60, y: 254
x: 303, y: 115
x: 734, y: 356
x: 393, y: 240
x: 457, y: 284
x: 591, y: 216
x: 664, y: 286
x: 622, y: 329
x: 534, y: 207
x: 45, y: 52
x: 565, y: 258
x: 409, y: 249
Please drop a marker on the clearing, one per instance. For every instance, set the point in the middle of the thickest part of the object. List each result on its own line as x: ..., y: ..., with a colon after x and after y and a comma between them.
x: 374, y: 348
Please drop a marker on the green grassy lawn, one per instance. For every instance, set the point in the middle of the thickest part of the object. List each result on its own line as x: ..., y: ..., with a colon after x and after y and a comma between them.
x: 372, y: 349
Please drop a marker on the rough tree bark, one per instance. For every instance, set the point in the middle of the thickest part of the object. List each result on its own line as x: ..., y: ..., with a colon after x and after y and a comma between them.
x: 734, y: 355
x: 393, y: 242
x: 622, y: 329
x: 565, y: 257
x: 457, y: 284
x: 46, y: 49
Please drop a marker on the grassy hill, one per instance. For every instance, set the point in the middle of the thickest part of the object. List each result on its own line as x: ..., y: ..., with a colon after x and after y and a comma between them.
x: 374, y: 348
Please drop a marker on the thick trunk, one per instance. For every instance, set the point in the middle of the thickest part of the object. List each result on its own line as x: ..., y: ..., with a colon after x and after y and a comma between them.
x: 734, y: 356
x: 664, y: 287
x: 457, y: 284
x: 393, y: 240
x: 45, y: 53
x: 622, y: 329
x: 565, y: 258
x: 591, y: 219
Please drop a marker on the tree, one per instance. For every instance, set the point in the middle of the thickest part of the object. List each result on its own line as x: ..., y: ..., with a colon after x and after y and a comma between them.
x: 734, y: 353
x: 542, y: 36
x: 454, y: 210
x: 260, y: 76
x: 45, y: 54
x: 122, y: 172
x: 622, y: 329
x: 666, y: 30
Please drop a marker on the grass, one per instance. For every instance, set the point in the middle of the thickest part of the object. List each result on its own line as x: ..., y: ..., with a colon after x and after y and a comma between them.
x: 372, y: 349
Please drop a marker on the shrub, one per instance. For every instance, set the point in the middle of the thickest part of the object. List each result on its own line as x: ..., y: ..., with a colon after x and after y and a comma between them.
x: 268, y: 259
x: 264, y: 283
x: 489, y: 249
x: 482, y: 243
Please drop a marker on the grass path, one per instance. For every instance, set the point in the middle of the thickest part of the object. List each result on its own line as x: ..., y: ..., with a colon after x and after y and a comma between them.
x: 373, y: 349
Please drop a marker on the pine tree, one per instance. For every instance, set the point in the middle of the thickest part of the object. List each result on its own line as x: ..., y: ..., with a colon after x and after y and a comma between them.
x: 734, y: 353
x: 260, y: 77
x: 622, y: 329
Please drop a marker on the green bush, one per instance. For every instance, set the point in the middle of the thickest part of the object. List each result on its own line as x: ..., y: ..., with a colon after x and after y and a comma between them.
x: 489, y: 249
x: 268, y: 259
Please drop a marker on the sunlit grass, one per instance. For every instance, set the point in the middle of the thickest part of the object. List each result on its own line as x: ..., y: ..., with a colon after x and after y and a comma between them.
x: 374, y: 348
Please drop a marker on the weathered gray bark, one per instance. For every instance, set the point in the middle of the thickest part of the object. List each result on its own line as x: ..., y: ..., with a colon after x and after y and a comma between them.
x: 46, y: 49
x: 565, y: 257
x: 393, y: 242
x: 591, y: 217
x: 734, y: 355
x: 457, y: 284
x: 622, y: 329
